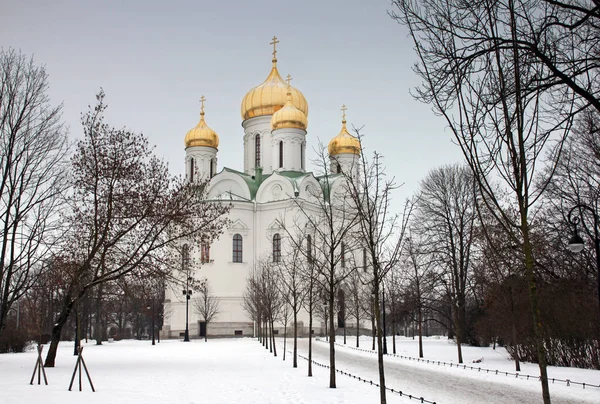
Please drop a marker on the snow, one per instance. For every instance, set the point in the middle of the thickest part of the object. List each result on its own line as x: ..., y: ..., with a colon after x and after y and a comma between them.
x: 241, y: 370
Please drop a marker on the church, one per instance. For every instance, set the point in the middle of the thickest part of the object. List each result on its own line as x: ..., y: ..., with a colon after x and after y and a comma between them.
x: 274, y: 120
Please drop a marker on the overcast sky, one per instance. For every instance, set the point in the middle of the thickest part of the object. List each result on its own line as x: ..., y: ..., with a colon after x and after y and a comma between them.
x: 155, y: 59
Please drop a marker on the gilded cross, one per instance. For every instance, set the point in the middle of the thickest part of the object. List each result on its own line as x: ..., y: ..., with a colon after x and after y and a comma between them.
x: 343, y: 111
x: 202, y: 99
x: 288, y: 79
x: 274, y: 43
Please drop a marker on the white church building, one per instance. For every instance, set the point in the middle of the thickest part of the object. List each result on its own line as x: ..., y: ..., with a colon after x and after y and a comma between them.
x: 274, y: 120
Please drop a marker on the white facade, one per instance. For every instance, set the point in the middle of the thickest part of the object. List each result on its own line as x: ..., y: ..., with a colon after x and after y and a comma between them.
x: 262, y: 194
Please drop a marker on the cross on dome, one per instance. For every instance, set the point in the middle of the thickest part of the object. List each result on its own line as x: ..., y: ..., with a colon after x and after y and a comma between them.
x: 202, y: 99
x: 343, y: 109
x: 288, y: 79
x: 274, y: 43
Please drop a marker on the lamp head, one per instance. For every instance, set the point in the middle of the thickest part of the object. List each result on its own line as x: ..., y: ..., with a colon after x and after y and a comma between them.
x: 576, y: 243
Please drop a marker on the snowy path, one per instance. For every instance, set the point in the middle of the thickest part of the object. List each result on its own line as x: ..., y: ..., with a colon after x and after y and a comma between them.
x: 444, y: 385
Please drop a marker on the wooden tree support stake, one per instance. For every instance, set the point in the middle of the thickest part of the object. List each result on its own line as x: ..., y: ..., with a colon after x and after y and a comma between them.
x: 39, y: 367
x: 77, y: 369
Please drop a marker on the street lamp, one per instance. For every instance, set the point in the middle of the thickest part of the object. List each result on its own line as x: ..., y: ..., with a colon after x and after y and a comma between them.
x: 151, y: 308
x: 576, y: 242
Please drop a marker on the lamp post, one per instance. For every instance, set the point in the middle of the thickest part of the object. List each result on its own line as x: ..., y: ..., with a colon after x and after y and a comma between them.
x: 576, y: 242
x: 151, y: 308
x: 187, y: 292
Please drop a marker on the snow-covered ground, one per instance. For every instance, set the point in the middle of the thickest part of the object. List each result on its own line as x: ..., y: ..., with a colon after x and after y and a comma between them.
x: 241, y: 370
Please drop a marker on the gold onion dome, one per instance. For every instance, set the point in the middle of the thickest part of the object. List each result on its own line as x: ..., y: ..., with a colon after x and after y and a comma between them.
x: 344, y: 142
x: 289, y: 116
x: 270, y: 96
x: 201, y: 134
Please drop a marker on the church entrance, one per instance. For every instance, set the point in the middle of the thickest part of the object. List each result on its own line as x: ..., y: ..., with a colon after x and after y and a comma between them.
x: 202, y: 328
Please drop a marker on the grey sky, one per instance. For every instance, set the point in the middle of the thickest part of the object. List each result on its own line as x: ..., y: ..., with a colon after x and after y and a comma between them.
x: 155, y: 59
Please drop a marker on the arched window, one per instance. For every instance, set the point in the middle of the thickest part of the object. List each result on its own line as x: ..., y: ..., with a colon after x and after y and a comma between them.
x: 280, y: 153
x: 338, y: 168
x: 257, y: 151
x: 309, y: 249
x: 364, y: 260
x: 343, y: 255
x: 237, y: 248
x: 191, y: 169
x: 204, y: 252
x: 212, y: 167
x: 276, y: 248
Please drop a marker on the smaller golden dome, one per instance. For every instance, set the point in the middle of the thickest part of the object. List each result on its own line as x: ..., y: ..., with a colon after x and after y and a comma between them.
x: 344, y: 142
x: 289, y: 116
x: 201, y: 134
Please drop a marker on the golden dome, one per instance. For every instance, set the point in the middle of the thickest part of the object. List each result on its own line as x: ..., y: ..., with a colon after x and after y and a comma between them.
x: 270, y: 96
x: 201, y: 134
x: 289, y: 116
x: 344, y: 142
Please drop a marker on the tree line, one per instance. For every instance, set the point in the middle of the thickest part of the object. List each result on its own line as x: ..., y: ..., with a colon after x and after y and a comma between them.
x: 90, y: 228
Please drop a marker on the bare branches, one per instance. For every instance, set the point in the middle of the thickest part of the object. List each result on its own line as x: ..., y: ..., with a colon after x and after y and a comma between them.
x: 33, y: 150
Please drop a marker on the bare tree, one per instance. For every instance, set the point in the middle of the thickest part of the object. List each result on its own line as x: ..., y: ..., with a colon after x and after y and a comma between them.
x: 126, y: 212
x: 380, y: 230
x: 33, y: 149
x: 207, y: 305
x: 330, y: 219
x: 292, y: 287
x: 494, y: 95
x: 356, y: 287
x: 420, y: 279
x: 447, y: 214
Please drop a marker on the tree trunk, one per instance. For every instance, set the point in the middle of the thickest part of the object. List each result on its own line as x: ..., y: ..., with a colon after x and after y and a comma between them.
x: 332, y: 384
x: 295, y: 358
x: 535, y: 310
x: 98, y: 326
x: 284, y: 338
x: 56, y: 331
x: 273, y: 338
x: 382, y: 391
x: 516, y: 347
x: 420, y: 325
x: 459, y: 332
x: 310, y: 326
x: 394, y: 337
x: 357, y: 324
x: 373, y: 329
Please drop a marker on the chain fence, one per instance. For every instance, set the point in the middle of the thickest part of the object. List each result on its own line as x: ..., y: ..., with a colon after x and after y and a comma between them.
x: 517, y: 375
x: 370, y: 382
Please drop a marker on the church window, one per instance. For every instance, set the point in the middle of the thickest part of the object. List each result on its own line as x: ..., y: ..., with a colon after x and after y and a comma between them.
x: 343, y: 255
x: 237, y: 248
x: 257, y: 151
x: 338, y: 168
x: 191, y: 169
x: 212, y: 167
x: 309, y: 249
x: 204, y: 252
x: 364, y: 260
x: 281, y: 154
x: 276, y: 248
